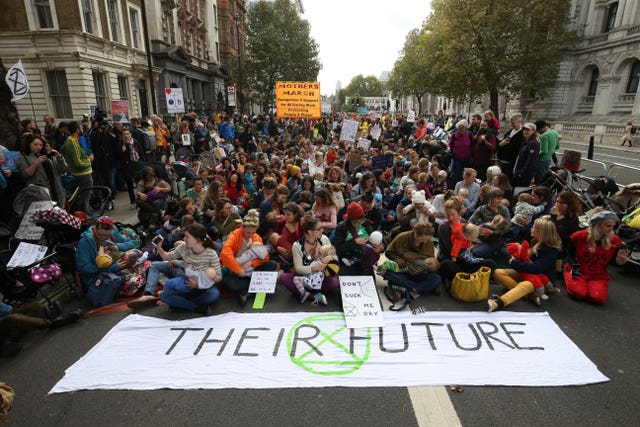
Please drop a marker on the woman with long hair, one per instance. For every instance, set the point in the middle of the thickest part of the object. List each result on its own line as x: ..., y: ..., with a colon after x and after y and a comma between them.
x: 565, y: 215
x: 501, y: 181
x: 224, y: 221
x: 39, y: 167
x: 367, y: 183
x: 197, y: 289
x: 308, y: 259
x: 591, y: 251
x: 543, y: 254
x: 325, y: 210
x: 234, y: 187
x: 288, y: 229
x: 151, y: 194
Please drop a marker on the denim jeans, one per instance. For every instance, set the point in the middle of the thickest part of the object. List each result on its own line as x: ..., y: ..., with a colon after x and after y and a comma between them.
x: 108, y: 179
x: 178, y: 295
x: 153, y: 275
x: 543, y: 167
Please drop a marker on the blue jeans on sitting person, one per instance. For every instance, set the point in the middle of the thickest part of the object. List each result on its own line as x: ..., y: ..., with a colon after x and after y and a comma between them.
x: 421, y: 283
x: 177, y: 294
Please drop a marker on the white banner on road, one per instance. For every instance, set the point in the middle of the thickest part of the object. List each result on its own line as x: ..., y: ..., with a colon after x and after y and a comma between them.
x: 275, y: 350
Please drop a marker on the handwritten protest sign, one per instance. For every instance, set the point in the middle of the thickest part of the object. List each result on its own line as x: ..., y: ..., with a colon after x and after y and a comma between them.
x: 360, y: 302
x: 298, y: 100
x: 263, y: 282
x: 349, y: 130
x: 375, y: 132
x: 364, y: 143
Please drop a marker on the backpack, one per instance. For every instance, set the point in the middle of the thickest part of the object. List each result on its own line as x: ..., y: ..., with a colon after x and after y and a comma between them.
x: 634, y: 130
x: 104, y: 290
x: 147, y: 139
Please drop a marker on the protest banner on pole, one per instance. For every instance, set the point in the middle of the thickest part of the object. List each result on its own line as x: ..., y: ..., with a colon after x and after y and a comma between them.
x: 175, y: 100
x: 299, y: 100
x: 17, y: 81
x: 120, y: 111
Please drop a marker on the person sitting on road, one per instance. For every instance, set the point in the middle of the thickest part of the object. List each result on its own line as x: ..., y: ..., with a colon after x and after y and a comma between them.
x: 241, y: 239
x: 196, y: 290
x: 198, y: 254
x: 591, y: 250
x: 151, y: 193
x: 412, y: 261
x: 89, y: 248
x: 309, y: 259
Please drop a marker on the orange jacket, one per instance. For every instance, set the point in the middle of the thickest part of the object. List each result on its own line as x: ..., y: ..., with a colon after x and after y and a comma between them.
x: 232, y: 246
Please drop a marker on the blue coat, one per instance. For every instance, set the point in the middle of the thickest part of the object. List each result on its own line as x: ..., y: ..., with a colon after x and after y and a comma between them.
x: 87, y: 251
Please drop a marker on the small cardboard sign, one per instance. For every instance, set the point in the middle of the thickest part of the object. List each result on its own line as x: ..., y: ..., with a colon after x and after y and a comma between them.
x: 360, y: 302
x: 263, y: 282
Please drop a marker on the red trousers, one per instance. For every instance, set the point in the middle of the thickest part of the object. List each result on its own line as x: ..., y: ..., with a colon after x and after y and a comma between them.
x: 584, y: 287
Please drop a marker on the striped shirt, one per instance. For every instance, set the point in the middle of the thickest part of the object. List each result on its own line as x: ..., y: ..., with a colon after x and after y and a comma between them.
x: 207, y: 258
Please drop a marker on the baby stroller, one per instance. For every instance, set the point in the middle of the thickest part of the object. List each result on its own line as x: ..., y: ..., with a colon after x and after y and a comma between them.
x: 98, y: 196
x: 17, y: 284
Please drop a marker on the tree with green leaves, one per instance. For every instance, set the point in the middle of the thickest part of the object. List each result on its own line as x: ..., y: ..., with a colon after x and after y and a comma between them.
x: 409, y: 76
x: 280, y: 48
x: 500, y: 47
x: 364, y: 86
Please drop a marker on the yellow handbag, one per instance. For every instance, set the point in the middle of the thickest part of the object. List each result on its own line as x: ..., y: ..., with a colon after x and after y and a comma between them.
x: 469, y: 287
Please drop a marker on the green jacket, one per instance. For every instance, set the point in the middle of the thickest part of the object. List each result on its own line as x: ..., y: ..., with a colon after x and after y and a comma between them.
x: 76, y: 157
x: 403, y: 246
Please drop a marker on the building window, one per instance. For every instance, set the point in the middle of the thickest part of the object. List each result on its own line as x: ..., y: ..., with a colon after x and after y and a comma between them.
x: 114, y: 23
x: 610, y: 22
x: 43, y: 11
x: 88, y: 15
x: 134, y: 23
x: 123, y: 87
x: 593, y: 86
x: 100, y: 87
x: 634, y: 78
x: 217, y: 52
x: 215, y: 15
x: 59, y: 93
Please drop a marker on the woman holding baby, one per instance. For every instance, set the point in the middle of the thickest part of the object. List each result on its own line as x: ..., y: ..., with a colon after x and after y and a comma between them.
x: 315, y: 265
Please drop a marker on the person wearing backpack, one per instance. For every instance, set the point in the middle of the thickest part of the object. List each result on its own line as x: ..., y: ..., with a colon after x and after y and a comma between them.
x: 145, y: 138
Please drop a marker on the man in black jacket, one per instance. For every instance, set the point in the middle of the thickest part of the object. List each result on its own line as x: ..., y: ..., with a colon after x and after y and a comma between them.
x: 509, y: 147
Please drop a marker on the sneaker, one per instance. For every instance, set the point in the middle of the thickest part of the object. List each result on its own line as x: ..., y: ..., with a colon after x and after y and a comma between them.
x: 534, y: 298
x: 143, y: 301
x: 492, y: 305
x: 132, y: 206
x: 346, y: 261
x: 540, y: 294
x: 319, y: 299
x: 207, y: 309
x: 550, y: 289
x: 305, y: 297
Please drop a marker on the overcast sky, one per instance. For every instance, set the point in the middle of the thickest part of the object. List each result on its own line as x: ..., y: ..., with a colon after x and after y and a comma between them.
x: 360, y: 36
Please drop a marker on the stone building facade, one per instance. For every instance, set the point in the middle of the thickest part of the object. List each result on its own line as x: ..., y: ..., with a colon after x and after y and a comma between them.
x: 82, y: 53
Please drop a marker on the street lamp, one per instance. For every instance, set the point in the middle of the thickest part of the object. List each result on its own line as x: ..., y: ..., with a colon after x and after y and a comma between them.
x: 238, y: 20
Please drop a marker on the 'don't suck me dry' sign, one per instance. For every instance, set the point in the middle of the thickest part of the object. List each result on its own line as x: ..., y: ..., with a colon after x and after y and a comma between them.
x: 299, y: 100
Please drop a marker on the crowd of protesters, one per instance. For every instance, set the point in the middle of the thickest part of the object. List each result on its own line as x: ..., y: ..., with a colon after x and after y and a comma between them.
x: 295, y: 196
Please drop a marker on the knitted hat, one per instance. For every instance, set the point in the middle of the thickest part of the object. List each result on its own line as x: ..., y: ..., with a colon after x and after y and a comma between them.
x: 602, y: 216
x: 418, y: 197
x: 354, y: 211
x: 104, y: 260
x: 251, y: 219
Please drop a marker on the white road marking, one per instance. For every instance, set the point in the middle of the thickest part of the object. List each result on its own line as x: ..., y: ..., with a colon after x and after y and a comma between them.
x: 431, y: 405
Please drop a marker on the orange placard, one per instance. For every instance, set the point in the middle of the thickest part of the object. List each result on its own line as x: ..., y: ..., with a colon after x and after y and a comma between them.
x: 298, y: 100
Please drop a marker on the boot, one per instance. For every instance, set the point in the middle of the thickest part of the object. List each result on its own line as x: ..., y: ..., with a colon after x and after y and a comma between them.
x: 67, y: 318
